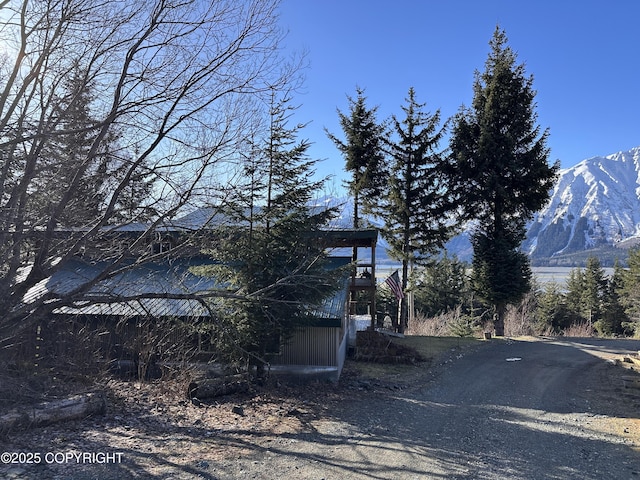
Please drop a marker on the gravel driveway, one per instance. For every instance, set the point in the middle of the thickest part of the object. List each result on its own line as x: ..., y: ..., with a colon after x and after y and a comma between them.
x: 511, y: 410
x: 529, y: 409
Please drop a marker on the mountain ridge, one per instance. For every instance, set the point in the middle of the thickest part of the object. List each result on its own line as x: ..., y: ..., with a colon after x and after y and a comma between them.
x: 593, y: 204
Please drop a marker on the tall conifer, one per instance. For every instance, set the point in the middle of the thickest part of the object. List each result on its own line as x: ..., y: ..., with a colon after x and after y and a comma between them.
x: 267, y: 253
x: 501, y: 173
x: 630, y: 293
x: 415, y: 207
x: 362, y: 149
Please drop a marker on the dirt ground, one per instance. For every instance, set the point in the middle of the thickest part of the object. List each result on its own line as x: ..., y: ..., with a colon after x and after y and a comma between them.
x: 152, y: 431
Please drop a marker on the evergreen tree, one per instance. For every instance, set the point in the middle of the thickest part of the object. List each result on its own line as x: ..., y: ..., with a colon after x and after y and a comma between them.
x: 440, y: 287
x: 415, y: 208
x: 613, y: 314
x: 552, y: 312
x: 575, y: 287
x: 362, y: 149
x: 594, y: 286
x: 501, y: 174
x: 134, y: 202
x: 75, y: 166
x: 268, y: 253
x: 174, y: 84
x: 630, y: 293
x: 68, y: 174
x: 592, y: 299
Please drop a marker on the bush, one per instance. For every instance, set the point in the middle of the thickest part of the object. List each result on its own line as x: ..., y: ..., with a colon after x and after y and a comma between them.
x: 579, y: 329
x: 452, y: 323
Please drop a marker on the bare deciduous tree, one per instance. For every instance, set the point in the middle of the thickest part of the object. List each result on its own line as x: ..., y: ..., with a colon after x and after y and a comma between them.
x: 171, y: 84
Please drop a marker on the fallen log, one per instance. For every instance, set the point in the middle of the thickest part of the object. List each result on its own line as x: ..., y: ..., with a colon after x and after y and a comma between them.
x: 45, y: 413
x: 216, y: 387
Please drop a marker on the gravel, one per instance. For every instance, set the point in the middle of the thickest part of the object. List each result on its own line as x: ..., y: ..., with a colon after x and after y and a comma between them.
x: 559, y: 411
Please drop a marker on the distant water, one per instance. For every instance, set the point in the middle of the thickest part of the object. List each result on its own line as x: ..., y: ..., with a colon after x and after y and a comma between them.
x: 541, y: 274
x: 557, y: 274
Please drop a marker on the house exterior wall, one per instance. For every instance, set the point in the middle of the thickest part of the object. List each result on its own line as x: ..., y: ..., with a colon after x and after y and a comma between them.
x: 317, y: 346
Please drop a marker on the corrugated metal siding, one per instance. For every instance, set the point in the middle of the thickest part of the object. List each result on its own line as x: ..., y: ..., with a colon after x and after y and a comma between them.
x: 320, y: 346
x: 342, y: 352
x: 311, y: 346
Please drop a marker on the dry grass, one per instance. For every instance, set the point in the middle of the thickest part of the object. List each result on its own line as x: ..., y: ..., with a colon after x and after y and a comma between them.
x: 429, y: 347
x: 518, y: 322
x: 437, y: 326
x: 580, y: 330
x: 449, y: 324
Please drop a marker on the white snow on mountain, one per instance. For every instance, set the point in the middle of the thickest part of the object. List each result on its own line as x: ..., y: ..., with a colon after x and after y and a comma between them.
x: 596, y: 202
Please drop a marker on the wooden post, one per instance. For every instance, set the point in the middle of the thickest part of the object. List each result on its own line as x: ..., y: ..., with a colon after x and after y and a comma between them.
x: 373, y: 285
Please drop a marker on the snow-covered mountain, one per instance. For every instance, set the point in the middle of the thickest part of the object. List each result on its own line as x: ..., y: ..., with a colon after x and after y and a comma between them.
x: 594, y: 203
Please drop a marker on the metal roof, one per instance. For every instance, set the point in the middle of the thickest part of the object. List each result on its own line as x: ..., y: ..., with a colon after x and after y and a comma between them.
x: 157, y: 278
x: 154, y: 278
x: 346, y: 238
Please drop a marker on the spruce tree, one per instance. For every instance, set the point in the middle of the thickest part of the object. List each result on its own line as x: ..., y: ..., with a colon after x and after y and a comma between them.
x: 415, y: 209
x: 501, y: 174
x: 73, y: 168
x: 630, y: 293
x: 441, y: 286
x: 552, y: 313
x: 362, y: 149
x: 594, y: 286
x: 68, y: 174
x: 267, y: 254
x: 575, y: 287
x: 613, y: 314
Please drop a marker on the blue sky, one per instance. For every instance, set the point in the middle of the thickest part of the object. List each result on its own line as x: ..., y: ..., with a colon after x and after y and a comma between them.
x: 584, y: 57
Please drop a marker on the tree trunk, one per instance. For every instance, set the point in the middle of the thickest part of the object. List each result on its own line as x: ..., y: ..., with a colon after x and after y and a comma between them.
x: 498, y: 320
x: 403, y: 323
x: 71, y: 408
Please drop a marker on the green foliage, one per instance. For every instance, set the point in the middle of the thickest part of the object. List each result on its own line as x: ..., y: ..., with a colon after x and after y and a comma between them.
x: 588, y: 301
x: 501, y: 273
x: 593, y: 299
x: 363, y: 153
x: 594, y: 285
x: 575, y: 286
x: 629, y: 293
x: 80, y: 170
x: 275, y: 273
x: 386, y: 304
x: 462, y: 326
x: 440, y: 287
x: 277, y: 278
x: 613, y: 314
x: 553, y: 313
x: 500, y: 173
x: 415, y: 207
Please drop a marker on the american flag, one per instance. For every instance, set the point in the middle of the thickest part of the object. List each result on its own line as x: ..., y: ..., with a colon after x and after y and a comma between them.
x: 394, y: 284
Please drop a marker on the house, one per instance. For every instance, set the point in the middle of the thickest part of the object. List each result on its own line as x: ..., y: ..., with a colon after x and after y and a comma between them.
x: 320, y: 349
x: 138, y: 300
